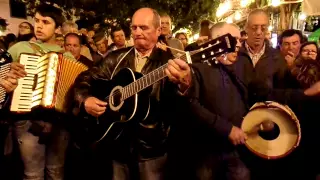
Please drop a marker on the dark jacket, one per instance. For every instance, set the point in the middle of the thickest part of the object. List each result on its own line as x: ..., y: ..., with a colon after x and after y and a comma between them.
x: 148, y: 142
x: 270, y: 79
x: 218, y: 102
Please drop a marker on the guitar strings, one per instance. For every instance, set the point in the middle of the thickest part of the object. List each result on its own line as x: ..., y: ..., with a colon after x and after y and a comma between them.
x: 182, y: 57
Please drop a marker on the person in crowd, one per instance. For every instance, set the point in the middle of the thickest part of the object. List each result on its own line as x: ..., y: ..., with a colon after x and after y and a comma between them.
x: 26, y: 32
x: 309, y: 51
x: 73, y: 44
x: 60, y: 40
x: 41, y: 156
x: 215, y: 111
x: 244, y: 36
x: 183, y: 38
x: 118, y: 37
x: 290, y: 41
x: 166, y: 31
x: 140, y: 155
x: 101, y: 42
x: 204, y: 35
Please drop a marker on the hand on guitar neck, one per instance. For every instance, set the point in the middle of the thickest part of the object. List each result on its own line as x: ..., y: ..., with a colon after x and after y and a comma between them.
x: 178, y: 71
x: 10, y: 82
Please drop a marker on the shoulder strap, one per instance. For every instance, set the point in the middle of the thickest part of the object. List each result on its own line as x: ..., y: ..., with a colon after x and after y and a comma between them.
x: 37, y: 49
x: 114, y: 70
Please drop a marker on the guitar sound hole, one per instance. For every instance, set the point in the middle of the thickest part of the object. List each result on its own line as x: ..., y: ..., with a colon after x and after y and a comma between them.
x: 116, y: 97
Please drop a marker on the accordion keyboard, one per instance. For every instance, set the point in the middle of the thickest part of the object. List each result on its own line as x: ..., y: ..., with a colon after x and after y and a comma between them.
x: 4, y: 69
x: 23, y: 94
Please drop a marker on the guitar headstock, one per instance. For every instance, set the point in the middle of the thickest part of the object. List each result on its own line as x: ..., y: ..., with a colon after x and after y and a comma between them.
x: 213, y: 48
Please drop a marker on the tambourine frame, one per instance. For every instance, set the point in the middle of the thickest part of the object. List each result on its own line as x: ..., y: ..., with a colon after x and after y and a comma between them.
x: 289, y: 113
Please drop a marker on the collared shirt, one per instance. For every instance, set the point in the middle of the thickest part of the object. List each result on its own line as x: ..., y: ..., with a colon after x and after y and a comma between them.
x: 255, y: 56
x: 140, y: 60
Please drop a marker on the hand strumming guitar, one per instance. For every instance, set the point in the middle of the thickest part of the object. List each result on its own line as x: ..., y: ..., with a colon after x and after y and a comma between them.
x: 94, y: 106
x: 179, y: 72
x: 237, y: 136
x: 10, y: 82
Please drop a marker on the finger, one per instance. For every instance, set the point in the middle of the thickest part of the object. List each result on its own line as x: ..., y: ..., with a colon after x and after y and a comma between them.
x: 17, y: 66
x: 171, y: 78
x: 12, y: 75
x: 173, y: 64
x: 19, y: 74
x: 182, y: 64
x: 101, y: 103
x: 8, y: 86
x: 174, y: 72
x: 12, y: 81
x: 291, y: 53
x: 98, y: 108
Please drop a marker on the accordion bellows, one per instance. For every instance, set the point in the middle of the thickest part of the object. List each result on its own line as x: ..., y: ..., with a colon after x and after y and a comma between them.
x: 47, y: 83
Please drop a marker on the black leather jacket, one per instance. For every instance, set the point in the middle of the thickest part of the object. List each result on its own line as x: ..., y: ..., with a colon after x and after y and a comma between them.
x: 150, y: 142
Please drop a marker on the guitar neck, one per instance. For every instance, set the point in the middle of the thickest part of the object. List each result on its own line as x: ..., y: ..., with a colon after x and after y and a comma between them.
x: 144, y: 82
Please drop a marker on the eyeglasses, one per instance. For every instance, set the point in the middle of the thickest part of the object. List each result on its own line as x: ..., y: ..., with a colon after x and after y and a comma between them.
x: 307, y: 51
x: 24, y: 27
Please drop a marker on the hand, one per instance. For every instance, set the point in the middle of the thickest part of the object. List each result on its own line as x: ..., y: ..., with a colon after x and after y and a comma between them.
x: 313, y: 90
x: 17, y: 70
x: 290, y: 58
x: 94, y: 106
x: 162, y: 46
x: 237, y: 136
x: 9, y: 83
x: 202, y: 39
x: 179, y: 72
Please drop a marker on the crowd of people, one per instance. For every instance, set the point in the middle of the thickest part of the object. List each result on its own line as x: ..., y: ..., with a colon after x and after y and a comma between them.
x: 193, y: 126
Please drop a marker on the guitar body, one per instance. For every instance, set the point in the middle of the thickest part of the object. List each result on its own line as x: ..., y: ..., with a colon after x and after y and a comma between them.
x: 118, y: 116
x: 127, y: 94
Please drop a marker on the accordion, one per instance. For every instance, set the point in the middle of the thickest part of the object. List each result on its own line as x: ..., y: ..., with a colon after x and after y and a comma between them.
x: 49, y: 78
x: 5, y: 63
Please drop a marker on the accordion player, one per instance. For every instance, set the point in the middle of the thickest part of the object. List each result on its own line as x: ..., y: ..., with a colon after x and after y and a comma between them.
x: 49, y: 78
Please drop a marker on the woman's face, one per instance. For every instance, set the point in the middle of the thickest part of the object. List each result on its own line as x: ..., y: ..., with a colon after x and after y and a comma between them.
x: 309, y: 52
x: 183, y: 40
x: 24, y: 28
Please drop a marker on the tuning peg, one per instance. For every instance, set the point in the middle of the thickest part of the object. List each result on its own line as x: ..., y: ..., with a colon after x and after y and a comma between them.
x: 203, y: 56
x: 220, y: 50
x: 209, y: 45
x: 212, y: 53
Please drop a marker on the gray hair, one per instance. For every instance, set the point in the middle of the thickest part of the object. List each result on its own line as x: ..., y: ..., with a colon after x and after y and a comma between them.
x: 255, y: 12
x: 68, y: 24
x: 216, y: 28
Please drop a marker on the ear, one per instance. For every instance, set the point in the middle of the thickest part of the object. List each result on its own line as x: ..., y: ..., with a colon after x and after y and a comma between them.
x: 158, y: 31
x: 58, y: 30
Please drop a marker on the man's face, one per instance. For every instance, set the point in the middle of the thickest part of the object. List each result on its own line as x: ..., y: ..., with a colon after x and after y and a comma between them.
x: 230, y: 58
x: 256, y: 29
x: 72, y: 45
x: 101, y: 45
x: 290, y: 45
x: 145, y: 34
x: 91, y: 34
x: 165, y: 25
x: 44, y: 27
x: 119, y: 38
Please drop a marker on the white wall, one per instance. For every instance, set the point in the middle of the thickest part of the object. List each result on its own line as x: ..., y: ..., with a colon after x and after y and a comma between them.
x: 13, y: 22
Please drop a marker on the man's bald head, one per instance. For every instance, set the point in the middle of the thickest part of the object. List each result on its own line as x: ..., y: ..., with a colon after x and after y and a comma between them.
x: 149, y: 12
x: 222, y: 28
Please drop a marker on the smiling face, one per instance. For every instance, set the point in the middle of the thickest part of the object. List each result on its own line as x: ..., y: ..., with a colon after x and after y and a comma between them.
x: 44, y: 28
